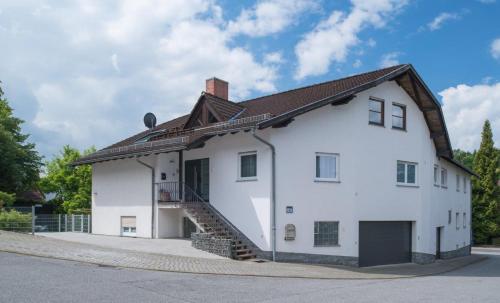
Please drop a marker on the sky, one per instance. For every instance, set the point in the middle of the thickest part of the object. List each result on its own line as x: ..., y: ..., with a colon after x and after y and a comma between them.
x: 85, y: 72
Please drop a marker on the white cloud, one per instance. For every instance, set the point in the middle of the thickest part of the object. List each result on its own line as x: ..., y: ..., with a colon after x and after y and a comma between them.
x: 495, y: 48
x: 357, y: 63
x: 466, y: 108
x: 114, y: 62
x: 487, y: 1
x: 167, y: 47
x: 371, y: 42
x: 441, y: 19
x: 332, y: 39
x: 390, y: 59
x: 269, y: 17
x: 274, y: 58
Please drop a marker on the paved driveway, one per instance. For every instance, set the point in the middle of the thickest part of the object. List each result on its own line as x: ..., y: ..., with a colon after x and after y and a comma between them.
x: 53, y: 248
x: 176, y: 247
x: 33, y: 279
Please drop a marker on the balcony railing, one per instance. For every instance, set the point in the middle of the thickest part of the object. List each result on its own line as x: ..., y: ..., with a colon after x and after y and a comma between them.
x: 176, y: 192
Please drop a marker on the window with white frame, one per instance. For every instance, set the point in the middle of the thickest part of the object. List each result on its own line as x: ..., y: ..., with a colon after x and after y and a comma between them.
x: 458, y: 182
x: 465, y: 184
x: 465, y: 220
x: 444, y: 178
x: 128, y: 226
x: 327, y: 167
x: 457, y: 216
x: 247, y: 166
x: 406, y: 173
x: 326, y: 233
x: 436, y: 175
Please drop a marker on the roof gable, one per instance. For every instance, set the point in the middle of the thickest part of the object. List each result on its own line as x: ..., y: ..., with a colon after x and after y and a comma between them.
x: 211, y: 109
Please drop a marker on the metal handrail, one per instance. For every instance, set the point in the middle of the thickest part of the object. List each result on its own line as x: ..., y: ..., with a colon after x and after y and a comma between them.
x: 190, y: 196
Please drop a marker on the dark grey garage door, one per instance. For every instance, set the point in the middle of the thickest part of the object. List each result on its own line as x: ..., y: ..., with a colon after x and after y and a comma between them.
x: 384, y: 242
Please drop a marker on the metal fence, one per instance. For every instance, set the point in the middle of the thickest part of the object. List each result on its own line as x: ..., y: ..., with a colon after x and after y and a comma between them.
x: 25, y: 219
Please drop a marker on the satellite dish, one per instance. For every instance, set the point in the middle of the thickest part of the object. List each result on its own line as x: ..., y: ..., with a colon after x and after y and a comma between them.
x: 150, y: 120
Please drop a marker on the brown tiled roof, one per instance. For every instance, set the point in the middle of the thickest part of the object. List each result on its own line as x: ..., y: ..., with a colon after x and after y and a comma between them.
x: 283, y: 106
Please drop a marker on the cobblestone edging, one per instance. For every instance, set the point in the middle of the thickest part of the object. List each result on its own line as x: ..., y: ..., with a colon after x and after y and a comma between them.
x: 205, y: 242
x: 461, y: 252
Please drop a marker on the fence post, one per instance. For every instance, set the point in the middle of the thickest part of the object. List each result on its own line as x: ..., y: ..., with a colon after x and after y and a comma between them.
x: 72, y: 223
x: 65, y: 222
x: 88, y: 224
x: 59, y: 222
x: 33, y: 219
x: 81, y: 223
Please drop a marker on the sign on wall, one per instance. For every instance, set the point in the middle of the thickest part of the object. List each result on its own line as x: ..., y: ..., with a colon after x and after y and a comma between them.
x: 289, y: 232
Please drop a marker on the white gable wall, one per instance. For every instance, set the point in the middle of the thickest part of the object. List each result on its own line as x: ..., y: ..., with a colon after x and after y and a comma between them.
x: 367, y: 189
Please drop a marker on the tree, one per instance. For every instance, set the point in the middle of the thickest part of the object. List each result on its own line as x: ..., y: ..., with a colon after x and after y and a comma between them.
x: 485, y: 190
x: 464, y: 157
x: 71, y: 185
x: 19, y: 161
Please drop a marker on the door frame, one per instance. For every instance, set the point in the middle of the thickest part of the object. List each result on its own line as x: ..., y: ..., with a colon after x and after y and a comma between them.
x: 439, y: 238
x: 207, y: 199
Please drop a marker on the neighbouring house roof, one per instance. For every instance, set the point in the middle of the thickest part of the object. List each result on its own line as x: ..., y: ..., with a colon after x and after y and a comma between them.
x: 274, y: 111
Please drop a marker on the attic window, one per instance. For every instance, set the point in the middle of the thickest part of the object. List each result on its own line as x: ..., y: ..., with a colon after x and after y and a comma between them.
x: 211, y: 118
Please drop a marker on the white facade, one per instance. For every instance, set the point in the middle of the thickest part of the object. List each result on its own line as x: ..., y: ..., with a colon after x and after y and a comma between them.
x: 366, y: 189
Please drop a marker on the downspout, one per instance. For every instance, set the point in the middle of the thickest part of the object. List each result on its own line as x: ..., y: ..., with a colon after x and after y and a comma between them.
x: 152, y: 195
x: 273, y: 191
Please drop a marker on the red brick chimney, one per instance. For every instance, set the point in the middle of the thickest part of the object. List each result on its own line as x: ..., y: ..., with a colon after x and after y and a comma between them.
x: 217, y: 87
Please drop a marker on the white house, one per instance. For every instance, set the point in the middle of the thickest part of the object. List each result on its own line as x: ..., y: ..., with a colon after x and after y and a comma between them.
x: 356, y: 171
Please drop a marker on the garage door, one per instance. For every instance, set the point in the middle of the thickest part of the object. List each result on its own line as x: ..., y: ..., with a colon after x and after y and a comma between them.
x: 384, y: 242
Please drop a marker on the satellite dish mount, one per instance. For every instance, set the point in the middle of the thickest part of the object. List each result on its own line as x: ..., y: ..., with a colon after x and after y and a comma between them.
x: 150, y: 120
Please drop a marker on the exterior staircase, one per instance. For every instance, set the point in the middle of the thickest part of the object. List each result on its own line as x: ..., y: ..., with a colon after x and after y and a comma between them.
x: 210, y: 221
x: 207, y: 218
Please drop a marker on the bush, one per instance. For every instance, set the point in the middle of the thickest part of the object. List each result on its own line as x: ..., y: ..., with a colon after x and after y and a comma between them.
x: 6, y: 199
x: 15, y: 221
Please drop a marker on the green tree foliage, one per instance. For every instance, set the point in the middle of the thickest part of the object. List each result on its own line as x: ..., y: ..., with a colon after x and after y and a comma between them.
x: 485, y: 190
x: 6, y: 199
x: 71, y: 185
x: 19, y: 161
x: 464, y: 157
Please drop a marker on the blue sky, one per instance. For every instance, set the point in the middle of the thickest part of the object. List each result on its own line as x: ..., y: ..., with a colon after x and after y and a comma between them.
x: 85, y: 72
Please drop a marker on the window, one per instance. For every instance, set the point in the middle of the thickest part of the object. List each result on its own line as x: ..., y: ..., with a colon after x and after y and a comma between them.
x: 465, y: 184
x: 247, y: 166
x: 406, y: 173
x: 128, y: 226
x: 398, y: 116
x: 436, y: 175
x: 458, y: 182
x: 456, y: 220
x: 327, y: 167
x: 444, y: 178
x: 376, y: 111
x: 449, y: 217
x: 465, y: 221
x: 326, y: 233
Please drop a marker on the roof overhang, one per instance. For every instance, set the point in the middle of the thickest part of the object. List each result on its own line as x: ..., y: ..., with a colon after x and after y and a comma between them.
x: 411, y: 82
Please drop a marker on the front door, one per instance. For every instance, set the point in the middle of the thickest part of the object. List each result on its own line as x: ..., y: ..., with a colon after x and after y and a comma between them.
x: 197, y: 177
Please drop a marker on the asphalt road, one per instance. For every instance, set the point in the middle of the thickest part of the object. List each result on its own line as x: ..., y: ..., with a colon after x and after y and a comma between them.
x: 33, y: 279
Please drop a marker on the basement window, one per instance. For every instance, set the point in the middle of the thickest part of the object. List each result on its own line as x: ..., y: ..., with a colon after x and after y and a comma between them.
x: 128, y: 226
x: 406, y: 174
x: 247, y: 166
x: 326, y: 233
